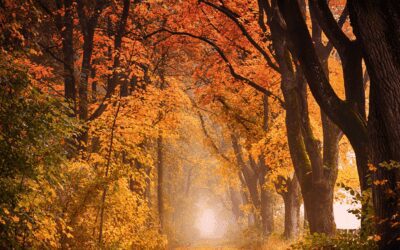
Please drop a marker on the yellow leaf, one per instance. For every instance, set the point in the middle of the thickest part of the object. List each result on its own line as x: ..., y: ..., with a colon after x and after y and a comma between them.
x: 6, y: 211
x: 15, y: 218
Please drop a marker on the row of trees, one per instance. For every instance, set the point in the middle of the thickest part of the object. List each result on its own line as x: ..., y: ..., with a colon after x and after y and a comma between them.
x: 84, y: 97
x: 123, y: 76
x: 279, y: 31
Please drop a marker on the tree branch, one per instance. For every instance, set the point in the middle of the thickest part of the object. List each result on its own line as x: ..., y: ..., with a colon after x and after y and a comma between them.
x: 226, y: 60
x: 342, y: 113
x: 234, y: 17
x: 326, y: 20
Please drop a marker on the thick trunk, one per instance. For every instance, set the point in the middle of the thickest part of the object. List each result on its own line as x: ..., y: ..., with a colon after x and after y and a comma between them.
x: 351, y: 58
x: 318, y: 204
x: 317, y: 192
x: 292, y: 201
x: 267, y: 211
x: 376, y: 25
x: 320, y: 220
x: 344, y: 114
x: 316, y: 182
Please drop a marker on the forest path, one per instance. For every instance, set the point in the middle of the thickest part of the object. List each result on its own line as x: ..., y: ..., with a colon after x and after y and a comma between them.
x: 216, y: 244
x: 274, y: 243
x: 207, y: 248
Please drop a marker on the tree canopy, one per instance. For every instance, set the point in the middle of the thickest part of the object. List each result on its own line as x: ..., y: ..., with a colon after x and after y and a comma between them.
x: 148, y: 124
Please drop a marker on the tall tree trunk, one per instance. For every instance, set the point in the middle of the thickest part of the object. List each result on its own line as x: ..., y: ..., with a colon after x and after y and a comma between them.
x: 249, y: 176
x: 88, y: 26
x: 236, y: 202
x: 106, y: 174
x: 292, y: 202
x: 351, y: 58
x: 267, y: 211
x: 318, y: 204
x: 245, y: 198
x: 376, y: 25
x: 68, y: 53
x: 266, y: 198
x: 303, y: 148
x: 65, y: 26
x: 267, y: 202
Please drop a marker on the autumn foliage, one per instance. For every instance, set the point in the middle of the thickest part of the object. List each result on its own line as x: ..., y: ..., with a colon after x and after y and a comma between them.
x: 122, y: 120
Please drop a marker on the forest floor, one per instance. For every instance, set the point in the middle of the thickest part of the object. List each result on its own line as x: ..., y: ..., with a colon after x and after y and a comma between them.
x: 210, y: 244
x: 274, y: 243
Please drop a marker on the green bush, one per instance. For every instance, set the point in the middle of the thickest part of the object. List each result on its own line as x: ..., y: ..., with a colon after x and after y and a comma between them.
x: 343, y: 240
x: 33, y: 129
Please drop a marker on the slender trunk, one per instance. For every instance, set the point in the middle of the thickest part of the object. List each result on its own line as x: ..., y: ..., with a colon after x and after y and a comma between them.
x: 116, y: 76
x: 84, y: 78
x: 117, y: 49
x: 266, y: 197
x: 106, y: 174
x: 236, y: 201
x: 160, y: 182
x: 245, y: 197
x: 66, y: 28
x: 267, y: 211
x: 83, y: 90
x: 250, y: 177
x: 68, y: 53
x: 88, y: 26
x: 147, y: 192
x: 292, y: 201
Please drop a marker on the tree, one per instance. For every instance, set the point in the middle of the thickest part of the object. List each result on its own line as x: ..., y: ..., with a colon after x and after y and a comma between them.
x: 375, y: 28
x: 34, y: 127
x: 350, y: 118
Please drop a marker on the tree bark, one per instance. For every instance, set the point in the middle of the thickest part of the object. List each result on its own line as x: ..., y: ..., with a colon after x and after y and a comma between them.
x: 68, y: 53
x: 236, y: 201
x: 88, y: 26
x: 266, y: 196
x: 376, y: 25
x: 248, y: 174
x: 267, y: 212
x: 292, y: 202
x: 304, y: 149
x: 351, y: 58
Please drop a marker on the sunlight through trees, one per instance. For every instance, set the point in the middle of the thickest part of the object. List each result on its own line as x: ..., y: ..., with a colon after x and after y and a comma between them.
x: 170, y: 124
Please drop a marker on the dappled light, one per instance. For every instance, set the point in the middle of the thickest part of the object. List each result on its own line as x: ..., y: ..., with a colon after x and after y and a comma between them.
x: 344, y: 219
x: 212, y: 124
x: 207, y: 223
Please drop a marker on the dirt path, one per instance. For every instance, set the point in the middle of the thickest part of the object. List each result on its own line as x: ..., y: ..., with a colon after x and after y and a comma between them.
x: 216, y: 244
